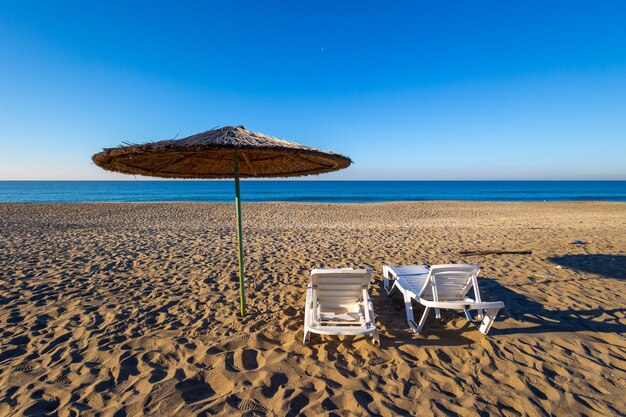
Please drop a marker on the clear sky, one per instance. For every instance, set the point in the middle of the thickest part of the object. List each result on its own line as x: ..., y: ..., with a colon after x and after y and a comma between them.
x: 407, y: 89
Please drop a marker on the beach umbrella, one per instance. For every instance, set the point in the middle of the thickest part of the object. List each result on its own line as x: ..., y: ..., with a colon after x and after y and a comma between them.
x: 227, y: 152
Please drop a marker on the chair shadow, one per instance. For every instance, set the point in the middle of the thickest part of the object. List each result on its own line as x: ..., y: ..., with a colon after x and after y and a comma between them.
x: 609, y: 266
x: 532, y: 316
x: 542, y: 320
x: 518, y: 307
x: 390, y: 312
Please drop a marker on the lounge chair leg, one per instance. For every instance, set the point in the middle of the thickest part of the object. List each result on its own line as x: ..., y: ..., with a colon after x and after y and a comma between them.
x: 468, y: 315
x: 410, y: 318
x: 422, y: 320
x: 489, y: 318
x: 376, y: 338
x: 438, y: 314
x: 389, y: 289
x: 308, y: 305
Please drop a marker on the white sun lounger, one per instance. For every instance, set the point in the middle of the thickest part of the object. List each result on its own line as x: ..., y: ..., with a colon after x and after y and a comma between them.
x: 338, y: 303
x: 440, y: 287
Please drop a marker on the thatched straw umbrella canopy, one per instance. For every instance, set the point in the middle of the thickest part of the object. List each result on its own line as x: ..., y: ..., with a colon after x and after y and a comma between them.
x: 211, y: 154
x: 227, y: 152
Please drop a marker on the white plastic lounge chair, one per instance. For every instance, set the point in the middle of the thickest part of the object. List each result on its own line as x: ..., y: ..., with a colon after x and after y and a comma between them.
x: 440, y: 286
x: 337, y: 303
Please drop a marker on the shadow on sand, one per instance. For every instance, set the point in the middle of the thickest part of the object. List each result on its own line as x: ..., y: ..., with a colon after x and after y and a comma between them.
x: 549, y: 320
x: 609, y: 266
x: 533, y: 316
x: 390, y: 313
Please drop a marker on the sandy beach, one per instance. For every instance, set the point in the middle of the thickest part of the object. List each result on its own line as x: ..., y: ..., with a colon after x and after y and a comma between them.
x: 124, y: 309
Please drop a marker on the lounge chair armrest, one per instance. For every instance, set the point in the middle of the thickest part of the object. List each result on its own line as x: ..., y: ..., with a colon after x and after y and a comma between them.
x: 462, y: 305
x: 315, y: 316
x: 366, y: 307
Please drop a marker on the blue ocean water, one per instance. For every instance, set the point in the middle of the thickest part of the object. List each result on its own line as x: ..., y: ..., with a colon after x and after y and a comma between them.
x: 311, y: 191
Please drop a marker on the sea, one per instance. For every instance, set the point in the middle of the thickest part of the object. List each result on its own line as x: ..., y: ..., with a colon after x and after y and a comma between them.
x: 309, y: 191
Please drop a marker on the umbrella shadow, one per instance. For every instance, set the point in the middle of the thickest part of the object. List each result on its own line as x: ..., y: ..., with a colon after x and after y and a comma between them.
x: 608, y: 266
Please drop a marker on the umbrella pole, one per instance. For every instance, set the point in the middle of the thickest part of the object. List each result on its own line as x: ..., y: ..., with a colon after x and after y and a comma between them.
x: 242, y: 296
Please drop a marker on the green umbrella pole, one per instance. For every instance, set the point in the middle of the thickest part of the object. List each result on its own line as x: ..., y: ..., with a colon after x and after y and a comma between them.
x: 242, y: 296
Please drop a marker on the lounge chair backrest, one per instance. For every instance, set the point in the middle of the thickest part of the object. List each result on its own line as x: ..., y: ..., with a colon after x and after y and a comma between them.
x: 450, y: 282
x: 340, y: 285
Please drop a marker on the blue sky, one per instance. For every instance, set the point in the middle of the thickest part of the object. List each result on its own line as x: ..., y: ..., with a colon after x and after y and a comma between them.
x: 407, y: 89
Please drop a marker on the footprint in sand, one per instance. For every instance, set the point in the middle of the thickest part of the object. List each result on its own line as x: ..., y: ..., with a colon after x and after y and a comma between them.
x: 277, y: 381
x: 43, y: 406
x: 296, y: 405
x: 358, y: 362
x: 193, y: 391
x: 366, y: 401
x: 24, y: 367
x: 248, y: 406
x: 62, y: 380
x: 14, y: 317
x: 165, y: 398
x: 377, y: 360
x: 244, y: 360
x: 298, y: 353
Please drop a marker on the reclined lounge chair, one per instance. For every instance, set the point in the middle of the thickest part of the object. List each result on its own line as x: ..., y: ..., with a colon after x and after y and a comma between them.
x: 338, y: 303
x: 440, y: 287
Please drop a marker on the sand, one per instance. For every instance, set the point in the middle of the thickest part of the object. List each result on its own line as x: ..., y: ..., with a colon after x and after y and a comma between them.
x: 131, y: 309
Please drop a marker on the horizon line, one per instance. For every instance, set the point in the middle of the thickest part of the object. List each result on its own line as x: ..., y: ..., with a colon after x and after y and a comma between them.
x: 155, y: 179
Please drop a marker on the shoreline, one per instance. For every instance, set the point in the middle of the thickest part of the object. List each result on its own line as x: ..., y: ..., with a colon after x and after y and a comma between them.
x: 320, y: 202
